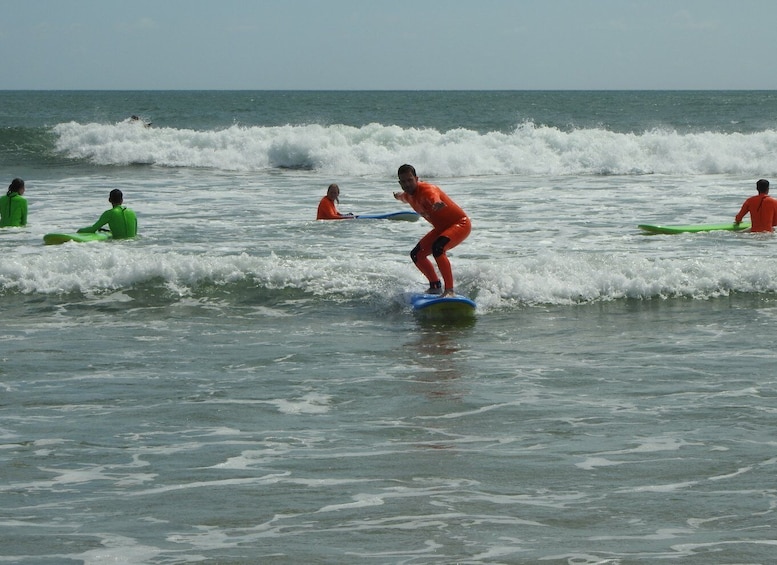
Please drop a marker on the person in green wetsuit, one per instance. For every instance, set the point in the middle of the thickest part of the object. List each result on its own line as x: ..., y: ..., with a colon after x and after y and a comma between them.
x: 13, y: 206
x: 121, y: 220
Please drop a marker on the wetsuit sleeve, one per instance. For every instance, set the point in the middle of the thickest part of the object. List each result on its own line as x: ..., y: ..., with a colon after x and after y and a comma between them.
x: 743, y: 211
x: 24, y: 213
x: 443, y: 216
x: 773, y: 204
x: 132, y: 223
x: 104, y: 219
x: 432, y: 198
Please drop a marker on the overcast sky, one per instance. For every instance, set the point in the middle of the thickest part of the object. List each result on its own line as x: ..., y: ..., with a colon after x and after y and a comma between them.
x: 388, y: 44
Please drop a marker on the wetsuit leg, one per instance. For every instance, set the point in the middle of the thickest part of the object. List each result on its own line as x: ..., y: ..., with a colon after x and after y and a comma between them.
x: 438, y: 247
x: 420, y: 255
x: 414, y: 253
x: 449, y: 239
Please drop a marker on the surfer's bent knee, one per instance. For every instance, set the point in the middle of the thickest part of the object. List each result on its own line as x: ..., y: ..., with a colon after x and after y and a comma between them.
x: 438, y: 247
x: 414, y: 253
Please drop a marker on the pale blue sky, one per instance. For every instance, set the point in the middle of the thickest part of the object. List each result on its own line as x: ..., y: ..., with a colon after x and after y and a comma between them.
x: 388, y: 44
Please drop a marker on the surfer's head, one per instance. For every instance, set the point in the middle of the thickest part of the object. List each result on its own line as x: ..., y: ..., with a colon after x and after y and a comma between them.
x: 116, y: 197
x: 333, y: 193
x: 17, y: 185
x: 407, y: 169
x: 408, y: 179
x: 762, y: 186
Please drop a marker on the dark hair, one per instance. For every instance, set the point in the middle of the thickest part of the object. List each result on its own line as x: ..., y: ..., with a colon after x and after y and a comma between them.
x: 333, y: 188
x: 405, y: 168
x: 15, y: 186
x: 116, y: 197
x: 762, y: 186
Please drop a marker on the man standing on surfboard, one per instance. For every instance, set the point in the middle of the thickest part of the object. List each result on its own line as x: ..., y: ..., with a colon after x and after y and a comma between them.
x: 762, y: 208
x: 451, y: 227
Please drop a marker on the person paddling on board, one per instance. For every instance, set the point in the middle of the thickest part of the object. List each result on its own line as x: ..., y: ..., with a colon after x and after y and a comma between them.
x: 450, y: 224
x: 762, y: 209
x: 136, y: 120
x: 327, y: 209
x: 121, y: 220
x: 13, y: 206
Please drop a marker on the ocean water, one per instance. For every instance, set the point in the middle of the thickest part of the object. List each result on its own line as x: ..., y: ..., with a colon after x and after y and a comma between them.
x: 243, y: 384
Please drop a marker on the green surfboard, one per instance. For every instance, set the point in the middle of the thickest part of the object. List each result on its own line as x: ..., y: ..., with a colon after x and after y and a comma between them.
x: 58, y: 238
x: 693, y: 229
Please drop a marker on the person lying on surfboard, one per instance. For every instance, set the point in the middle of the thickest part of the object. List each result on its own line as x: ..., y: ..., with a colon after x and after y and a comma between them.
x: 121, y: 220
x: 450, y: 224
x: 136, y: 120
x: 762, y: 209
x: 327, y: 209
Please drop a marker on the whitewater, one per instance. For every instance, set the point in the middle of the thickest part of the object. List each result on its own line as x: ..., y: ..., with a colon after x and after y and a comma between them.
x: 374, y: 149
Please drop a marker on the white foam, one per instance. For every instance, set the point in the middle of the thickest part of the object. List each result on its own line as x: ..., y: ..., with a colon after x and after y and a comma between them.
x: 556, y: 278
x: 374, y: 149
x: 311, y: 403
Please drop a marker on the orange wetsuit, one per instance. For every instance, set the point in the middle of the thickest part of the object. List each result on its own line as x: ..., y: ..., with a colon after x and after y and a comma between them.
x: 451, y: 227
x: 763, y: 212
x: 327, y: 210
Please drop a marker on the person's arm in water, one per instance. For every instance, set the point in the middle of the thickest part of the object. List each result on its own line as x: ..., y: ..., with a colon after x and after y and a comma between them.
x: 104, y: 218
x: 742, y: 212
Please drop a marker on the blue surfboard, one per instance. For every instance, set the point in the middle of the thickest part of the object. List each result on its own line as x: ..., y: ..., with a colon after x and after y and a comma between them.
x: 447, y: 307
x: 405, y: 216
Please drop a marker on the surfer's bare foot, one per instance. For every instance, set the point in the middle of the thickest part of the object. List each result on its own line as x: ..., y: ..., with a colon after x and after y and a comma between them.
x: 448, y: 293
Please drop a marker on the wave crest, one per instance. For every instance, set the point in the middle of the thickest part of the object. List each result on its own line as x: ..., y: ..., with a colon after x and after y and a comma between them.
x: 376, y: 149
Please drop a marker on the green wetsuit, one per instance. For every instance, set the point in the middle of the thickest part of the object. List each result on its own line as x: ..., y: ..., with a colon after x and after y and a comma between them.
x: 13, y: 210
x: 120, y: 219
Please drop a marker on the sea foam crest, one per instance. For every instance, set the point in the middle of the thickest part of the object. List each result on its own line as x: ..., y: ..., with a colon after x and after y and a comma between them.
x: 376, y: 149
x: 555, y: 278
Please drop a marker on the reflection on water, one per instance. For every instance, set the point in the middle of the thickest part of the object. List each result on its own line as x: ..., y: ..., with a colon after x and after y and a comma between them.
x: 439, y: 358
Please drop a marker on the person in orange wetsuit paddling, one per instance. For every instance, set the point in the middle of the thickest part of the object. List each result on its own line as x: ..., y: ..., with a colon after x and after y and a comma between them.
x: 327, y: 209
x: 451, y: 227
x: 762, y: 209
